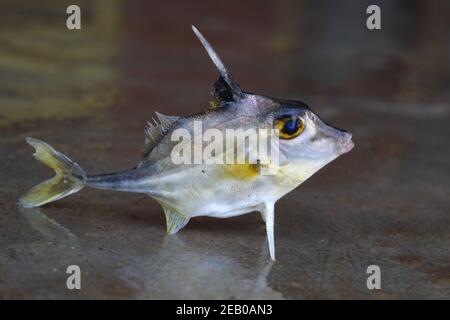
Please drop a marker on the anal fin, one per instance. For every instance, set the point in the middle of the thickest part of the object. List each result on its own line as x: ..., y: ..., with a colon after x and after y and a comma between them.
x: 175, y: 221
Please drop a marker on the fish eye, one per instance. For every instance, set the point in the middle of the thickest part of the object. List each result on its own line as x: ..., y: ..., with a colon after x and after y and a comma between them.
x: 289, y: 126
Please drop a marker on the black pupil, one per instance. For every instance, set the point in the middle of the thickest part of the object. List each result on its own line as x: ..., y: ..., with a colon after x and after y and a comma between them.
x: 291, y: 126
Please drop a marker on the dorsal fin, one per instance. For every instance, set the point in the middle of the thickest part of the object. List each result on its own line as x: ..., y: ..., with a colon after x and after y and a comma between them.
x: 155, y: 130
x: 226, y: 88
x: 165, y: 120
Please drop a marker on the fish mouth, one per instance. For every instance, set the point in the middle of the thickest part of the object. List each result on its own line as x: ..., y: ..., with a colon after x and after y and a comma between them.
x: 346, y: 143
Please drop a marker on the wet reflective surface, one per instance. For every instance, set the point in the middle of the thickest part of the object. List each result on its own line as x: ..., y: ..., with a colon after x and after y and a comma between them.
x: 89, y: 93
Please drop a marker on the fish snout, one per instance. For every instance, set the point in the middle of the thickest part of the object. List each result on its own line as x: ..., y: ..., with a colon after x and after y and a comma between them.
x: 345, y: 141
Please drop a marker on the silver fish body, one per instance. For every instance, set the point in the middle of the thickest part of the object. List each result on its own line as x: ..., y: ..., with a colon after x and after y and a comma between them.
x: 222, y: 190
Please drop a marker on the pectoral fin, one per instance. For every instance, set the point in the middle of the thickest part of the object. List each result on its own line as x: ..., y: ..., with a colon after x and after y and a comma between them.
x: 175, y: 221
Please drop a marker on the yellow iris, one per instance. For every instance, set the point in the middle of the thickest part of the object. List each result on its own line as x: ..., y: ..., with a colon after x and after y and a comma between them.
x: 290, y: 126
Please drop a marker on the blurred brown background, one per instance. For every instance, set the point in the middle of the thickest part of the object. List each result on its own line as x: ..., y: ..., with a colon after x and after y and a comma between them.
x: 89, y: 93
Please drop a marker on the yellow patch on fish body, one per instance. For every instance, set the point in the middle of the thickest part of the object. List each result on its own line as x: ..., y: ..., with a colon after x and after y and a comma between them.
x: 242, y: 171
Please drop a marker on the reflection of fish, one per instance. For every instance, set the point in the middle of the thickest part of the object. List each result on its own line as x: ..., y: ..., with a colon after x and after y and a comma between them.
x: 48, y: 227
x: 306, y: 144
x: 231, y: 278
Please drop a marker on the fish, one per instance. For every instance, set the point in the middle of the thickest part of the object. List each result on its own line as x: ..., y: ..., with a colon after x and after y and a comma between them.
x: 304, y: 144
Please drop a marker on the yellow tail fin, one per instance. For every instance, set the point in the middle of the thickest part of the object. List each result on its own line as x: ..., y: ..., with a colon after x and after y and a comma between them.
x: 69, y: 178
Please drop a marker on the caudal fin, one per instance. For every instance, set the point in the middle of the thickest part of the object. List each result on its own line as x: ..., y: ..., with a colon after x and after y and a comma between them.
x: 69, y: 178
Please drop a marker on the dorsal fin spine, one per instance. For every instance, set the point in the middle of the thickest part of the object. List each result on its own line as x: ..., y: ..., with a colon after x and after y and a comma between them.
x: 155, y: 130
x: 223, y: 70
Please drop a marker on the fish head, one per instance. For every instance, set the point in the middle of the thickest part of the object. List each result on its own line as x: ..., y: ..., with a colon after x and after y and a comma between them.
x: 304, y: 138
